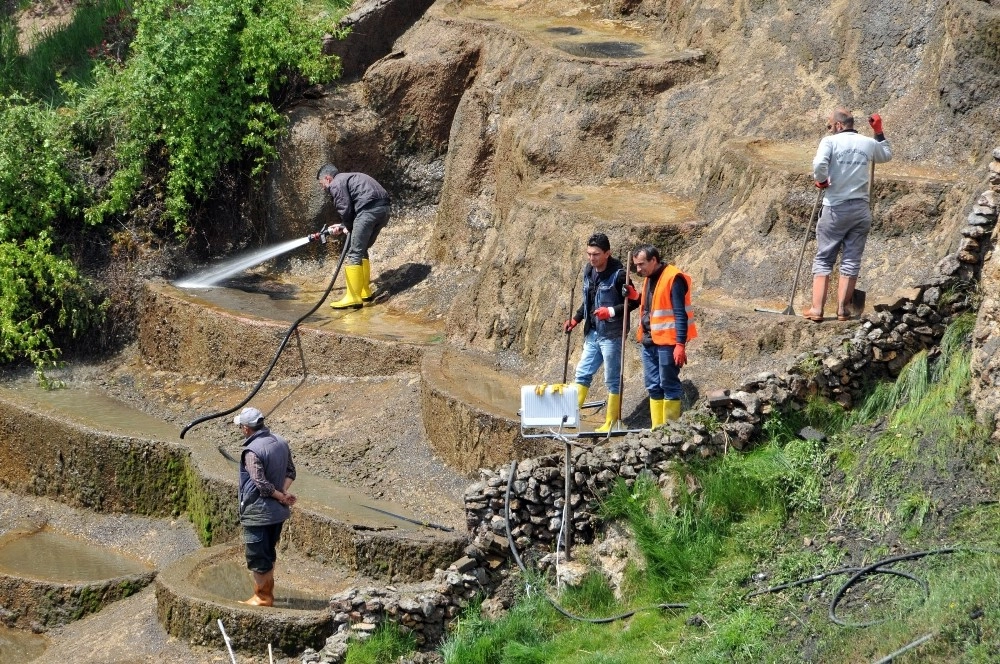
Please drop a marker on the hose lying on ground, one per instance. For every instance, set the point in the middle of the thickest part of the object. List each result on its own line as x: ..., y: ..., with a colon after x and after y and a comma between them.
x: 859, y: 573
x: 281, y: 346
x: 555, y: 605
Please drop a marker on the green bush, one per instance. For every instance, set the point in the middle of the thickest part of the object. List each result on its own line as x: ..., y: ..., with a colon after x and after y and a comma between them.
x: 37, y: 183
x: 200, y: 92
x: 44, y: 301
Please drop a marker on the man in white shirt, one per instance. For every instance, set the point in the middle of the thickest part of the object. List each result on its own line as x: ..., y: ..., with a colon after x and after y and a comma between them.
x: 842, y: 168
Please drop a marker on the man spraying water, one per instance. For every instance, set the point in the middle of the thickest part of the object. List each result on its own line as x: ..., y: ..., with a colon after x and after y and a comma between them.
x: 363, y: 206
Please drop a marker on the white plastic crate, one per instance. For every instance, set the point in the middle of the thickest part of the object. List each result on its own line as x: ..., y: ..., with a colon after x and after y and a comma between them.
x: 554, y: 408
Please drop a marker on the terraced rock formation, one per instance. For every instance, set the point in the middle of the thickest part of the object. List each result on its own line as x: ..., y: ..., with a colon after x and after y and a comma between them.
x: 507, y: 133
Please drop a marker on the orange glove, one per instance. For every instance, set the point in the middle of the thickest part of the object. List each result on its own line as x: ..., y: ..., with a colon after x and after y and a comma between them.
x: 604, y: 313
x: 569, y: 325
x: 630, y: 292
x: 680, y: 357
x: 823, y: 185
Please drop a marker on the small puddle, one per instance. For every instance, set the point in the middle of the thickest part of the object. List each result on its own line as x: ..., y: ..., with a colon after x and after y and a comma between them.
x: 564, y: 30
x: 93, y: 409
x: 469, y: 381
x: 51, y: 556
x: 601, y: 49
x: 617, y: 201
x: 797, y: 156
x: 575, y: 31
x: 20, y: 646
x: 230, y: 581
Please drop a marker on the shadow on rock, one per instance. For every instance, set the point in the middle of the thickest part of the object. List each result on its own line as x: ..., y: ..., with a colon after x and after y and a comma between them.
x: 406, y: 276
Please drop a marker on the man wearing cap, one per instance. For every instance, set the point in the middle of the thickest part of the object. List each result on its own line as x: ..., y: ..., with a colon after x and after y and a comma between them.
x: 266, y: 473
x: 363, y: 206
x: 601, y: 313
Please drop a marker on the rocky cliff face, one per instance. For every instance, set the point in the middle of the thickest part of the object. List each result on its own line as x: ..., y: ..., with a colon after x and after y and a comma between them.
x: 690, y: 125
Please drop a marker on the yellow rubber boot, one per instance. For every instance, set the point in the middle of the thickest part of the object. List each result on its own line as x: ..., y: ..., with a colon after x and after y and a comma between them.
x: 656, y: 412
x: 614, y: 410
x: 671, y: 409
x: 366, y: 288
x: 581, y: 394
x: 353, y: 274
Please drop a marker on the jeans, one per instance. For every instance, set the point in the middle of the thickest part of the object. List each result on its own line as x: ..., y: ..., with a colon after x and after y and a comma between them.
x: 596, y: 351
x: 662, y: 376
x: 368, y: 223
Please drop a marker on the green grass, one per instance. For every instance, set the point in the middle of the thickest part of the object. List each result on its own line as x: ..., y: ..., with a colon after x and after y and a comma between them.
x: 385, y: 646
x: 60, y: 54
x: 778, y: 514
x: 512, y: 638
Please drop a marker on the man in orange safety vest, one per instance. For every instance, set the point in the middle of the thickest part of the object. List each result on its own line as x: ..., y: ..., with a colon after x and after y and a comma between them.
x: 666, y: 326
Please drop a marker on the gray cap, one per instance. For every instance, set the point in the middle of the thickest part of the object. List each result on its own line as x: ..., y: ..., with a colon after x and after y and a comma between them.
x: 250, y: 417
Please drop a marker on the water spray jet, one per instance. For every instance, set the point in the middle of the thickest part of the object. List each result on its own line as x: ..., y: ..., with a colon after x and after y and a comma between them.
x: 212, y: 276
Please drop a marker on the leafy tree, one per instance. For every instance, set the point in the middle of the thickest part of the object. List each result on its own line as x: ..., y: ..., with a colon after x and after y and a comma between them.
x: 43, y: 300
x: 199, y: 92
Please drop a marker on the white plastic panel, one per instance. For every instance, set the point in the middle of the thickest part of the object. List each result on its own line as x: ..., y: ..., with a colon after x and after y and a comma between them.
x: 553, y: 408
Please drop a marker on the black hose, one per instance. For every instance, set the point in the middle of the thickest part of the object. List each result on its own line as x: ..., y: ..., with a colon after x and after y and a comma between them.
x: 425, y: 524
x: 843, y: 570
x: 876, y: 569
x: 555, y: 605
x: 858, y: 573
x: 281, y: 346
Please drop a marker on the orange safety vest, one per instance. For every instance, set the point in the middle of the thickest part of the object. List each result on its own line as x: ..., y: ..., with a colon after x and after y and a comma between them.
x: 662, y: 327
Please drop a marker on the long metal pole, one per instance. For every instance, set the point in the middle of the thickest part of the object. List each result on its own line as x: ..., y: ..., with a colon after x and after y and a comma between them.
x: 229, y: 646
x: 621, y: 368
x: 790, y: 310
x: 572, y: 292
x: 567, y: 510
x: 871, y: 185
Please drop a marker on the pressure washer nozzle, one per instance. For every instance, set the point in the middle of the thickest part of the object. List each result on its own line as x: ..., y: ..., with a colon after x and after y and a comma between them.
x: 320, y: 236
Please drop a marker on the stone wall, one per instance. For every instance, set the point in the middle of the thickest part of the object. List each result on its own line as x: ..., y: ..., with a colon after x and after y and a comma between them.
x: 423, y: 609
x: 986, y: 338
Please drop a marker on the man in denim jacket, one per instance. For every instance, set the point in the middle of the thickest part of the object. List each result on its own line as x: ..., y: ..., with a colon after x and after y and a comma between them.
x: 601, y: 312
